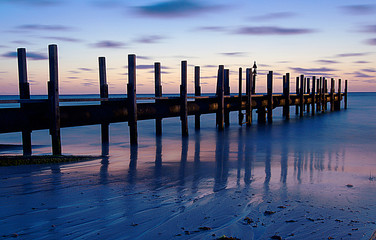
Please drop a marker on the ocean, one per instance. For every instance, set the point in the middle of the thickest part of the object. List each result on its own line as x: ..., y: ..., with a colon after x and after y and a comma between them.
x: 306, y: 178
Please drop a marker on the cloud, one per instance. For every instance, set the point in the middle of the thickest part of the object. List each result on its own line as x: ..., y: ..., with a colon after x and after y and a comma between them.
x: 30, y: 55
x: 327, y: 61
x: 359, y: 9
x: 351, y: 54
x: 211, y: 29
x: 269, y: 30
x: 313, y: 70
x: 108, y: 44
x: 362, y: 75
x: 21, y: 42
x: 210, y: 66
x: 85, y: 69
x: 175, y: 8
x: 232, y: 53
x: 371, y: 41
x: 369, y: 29
x: 150, y: 39
x: 361, y: 62
x: 273, y: 16
x: 42, y: 27
x: 63, y: 39
x: 143, y: 57
x: 371, y: 70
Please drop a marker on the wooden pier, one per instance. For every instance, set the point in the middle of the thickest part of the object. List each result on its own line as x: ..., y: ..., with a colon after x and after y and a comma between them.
x: 35, y: 114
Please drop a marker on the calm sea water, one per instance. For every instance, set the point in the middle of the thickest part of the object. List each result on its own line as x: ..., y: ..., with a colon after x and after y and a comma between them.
x: 326, y: 150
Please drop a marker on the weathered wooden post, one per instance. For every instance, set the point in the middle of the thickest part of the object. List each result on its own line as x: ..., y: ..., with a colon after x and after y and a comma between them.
x: 338, y: 103
x: 297, y: 95
x: 313, y: 95
x: 103, y: 92
x: 345, y: 100
x: 301, y: 96
x: 197, y: 94
x: 24, y: 90
x: 183, y: 100
x: 227, y: 93
x: 220, y: 95
x: 249, y: 82
x: 270, y: 96
x: 319, y: 89
x: 325, y: 94
x: 132, y: 104
x: 157, y: 94
x: 240, y: 96
x: 254, y: 77
x: 53, y: 99
x: 309, y: 93
x: 332, y: 95
x: 286, y: 94
x: 304, y: 92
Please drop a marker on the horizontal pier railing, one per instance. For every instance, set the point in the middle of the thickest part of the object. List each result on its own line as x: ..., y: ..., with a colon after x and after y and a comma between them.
x: 34, y: 114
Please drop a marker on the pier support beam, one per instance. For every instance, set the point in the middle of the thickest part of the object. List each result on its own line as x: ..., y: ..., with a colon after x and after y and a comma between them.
x: 270, y: 96
x: 345, y: 100
x: 332, y: 95
x: 53, y: 99
x: 227, y: 93
x: 297, y: 95
x: 197, y: 94
x: 183, y: 100
x: 158, y: 93
x: 309, y: 93
x: 301, y: 96
x: 313, y: 95
x: 286, y: 94
x: 132, y: 105
x: 240, y: 96
x: 338, y: 103
x: 220, y: 95
x: 249, y: 82
x: 103, y: 90
x: 24, y: 90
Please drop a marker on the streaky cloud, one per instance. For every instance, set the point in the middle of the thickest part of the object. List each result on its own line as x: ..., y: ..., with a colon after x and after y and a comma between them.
x: 29, y: 55
x: 273, y: 16
x: 362, y: 75
x: 108, y: 44
x: 323, y: 61
x: 310, y: 70
x: 175, y: 8
x: 143, y: 57
x: 361, y: 62
x: 211, y: 29
x: 64, y: 39
x: 271, y: 30
x: 371, y: 41
x: 43, y: 27
x: 371, y: 70
x: 210, y: 66
x: 85, y: 69
x: 360, y: 9
x: 351, y: 54
x: 369, y: 29
x: 232, y: 54
x: 150, y: 39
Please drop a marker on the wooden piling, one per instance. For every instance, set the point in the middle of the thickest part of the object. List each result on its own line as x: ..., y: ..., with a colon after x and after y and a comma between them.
x: 227, y: 93
x: 132, y: 105
x: 157, y: 93
x: 249, y: 82
x: 301, y: 96
x: 24, y: 90
x: 325, y: 94
x: 220, y: 95
x: 297, y: 95
x: 53, y: 99
x: 332, y: 95
x: 103, y: 92
x: 308, y: 93
x: 304, y: 92
x: 197, y: 94
x: 319, y: 90
x: 338, y: 103
x: 286, y: 94
x: 270, y: 96
x: 345, y: 100
x: 313, y: 95
x: 183, y: 100
x: 240, y: 96
x: 253, y: 91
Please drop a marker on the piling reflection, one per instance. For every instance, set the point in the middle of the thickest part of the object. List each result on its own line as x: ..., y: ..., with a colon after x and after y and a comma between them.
x: 237, y: 158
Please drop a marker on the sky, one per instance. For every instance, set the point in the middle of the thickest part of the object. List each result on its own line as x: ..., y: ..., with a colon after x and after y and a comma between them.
x: 333, y: 39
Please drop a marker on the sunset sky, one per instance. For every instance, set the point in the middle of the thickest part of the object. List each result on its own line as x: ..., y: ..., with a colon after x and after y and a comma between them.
x: 335, y: 38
